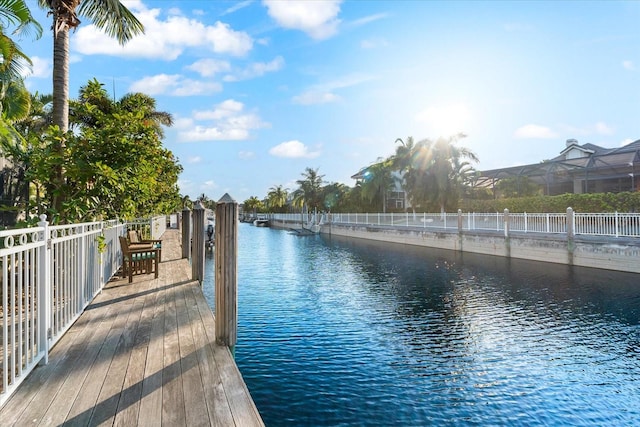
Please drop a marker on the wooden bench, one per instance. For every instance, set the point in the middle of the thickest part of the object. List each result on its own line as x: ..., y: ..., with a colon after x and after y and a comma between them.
x: 136, y: 241
x: 138, y: 260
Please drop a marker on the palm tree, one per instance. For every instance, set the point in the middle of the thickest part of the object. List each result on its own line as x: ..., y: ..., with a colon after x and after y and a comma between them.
x: 109, y: 15
x: 335, y: 196
x: 309, y: 193
x: 14, y: 62
x: 438, y: 171
x: 94, y: 93
x: 404, y: 154
x: 378, y: 181
x: 142, y: 103
x: 277, y: 197
x: 252, y: 204
x: 14, y: 98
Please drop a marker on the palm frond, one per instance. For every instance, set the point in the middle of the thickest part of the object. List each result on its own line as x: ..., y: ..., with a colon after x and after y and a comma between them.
x: 113, y: 17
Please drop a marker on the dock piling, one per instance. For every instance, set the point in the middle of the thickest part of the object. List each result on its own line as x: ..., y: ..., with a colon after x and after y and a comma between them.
x: 226, y: 271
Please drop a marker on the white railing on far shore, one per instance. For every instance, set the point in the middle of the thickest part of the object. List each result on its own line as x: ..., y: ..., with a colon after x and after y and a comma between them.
x: 597, y: 224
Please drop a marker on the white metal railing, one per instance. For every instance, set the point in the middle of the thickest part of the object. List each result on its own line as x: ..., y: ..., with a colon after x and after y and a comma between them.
x: 49, y: 276
x: 599, y: 224
x: 149, y: 228
x: 538, y: 222
x: 617, y: 224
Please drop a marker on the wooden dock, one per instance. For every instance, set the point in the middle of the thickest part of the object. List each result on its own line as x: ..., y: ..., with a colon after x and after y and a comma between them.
x: 141, y: 354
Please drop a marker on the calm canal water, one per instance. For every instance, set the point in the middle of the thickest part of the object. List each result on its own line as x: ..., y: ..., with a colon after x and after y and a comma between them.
x: 336, y: 332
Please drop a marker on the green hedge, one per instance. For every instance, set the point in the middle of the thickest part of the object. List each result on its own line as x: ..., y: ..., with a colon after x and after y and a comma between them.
x: 588, y: 203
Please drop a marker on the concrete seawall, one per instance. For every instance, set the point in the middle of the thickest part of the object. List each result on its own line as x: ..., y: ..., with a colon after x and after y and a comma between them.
x: 620, y: 254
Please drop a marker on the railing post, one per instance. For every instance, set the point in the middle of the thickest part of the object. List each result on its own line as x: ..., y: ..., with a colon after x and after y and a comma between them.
x: 226, y: 271
x: 197, y: 256
x: 44, y: 290
x: 507, y: 239
x: 459, y: 220
x: 506, y: 223
x: 83, y: 278
x: 617, y: 225
x: 186, y: 233
x: 525, y: 223
x: 547, y: 223
x: 570, y: 234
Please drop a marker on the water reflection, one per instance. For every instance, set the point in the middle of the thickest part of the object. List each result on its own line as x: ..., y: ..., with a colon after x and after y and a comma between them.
x: 345, y: 332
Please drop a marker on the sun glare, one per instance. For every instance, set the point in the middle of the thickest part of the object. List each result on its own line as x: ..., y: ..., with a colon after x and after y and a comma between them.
x: 445, y: 120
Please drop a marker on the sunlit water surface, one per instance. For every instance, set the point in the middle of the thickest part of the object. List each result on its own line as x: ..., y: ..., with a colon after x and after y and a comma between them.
x: 350, y: 332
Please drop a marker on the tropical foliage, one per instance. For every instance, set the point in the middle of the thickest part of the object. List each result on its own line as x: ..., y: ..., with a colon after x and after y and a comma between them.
x: 377, y: 182
x: 435, y: 173
x: 253, y: 205
x: 309, y: 193
x: 277, y: 198
x: 109, y: 15
x: 593, y: 203
x: 114, y: 162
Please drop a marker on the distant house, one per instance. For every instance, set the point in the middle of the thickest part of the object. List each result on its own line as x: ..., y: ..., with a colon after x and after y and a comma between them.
x: 585, y: 168
x: 396, y: 199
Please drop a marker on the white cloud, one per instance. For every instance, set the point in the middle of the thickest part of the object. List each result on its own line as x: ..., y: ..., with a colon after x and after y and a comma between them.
x: 194, y: 159
x: 164, y: 38
x: 174, y: 85
x: 324, y: 93
x: 185, y: 185
x: 367, y: 19
x: 209, y: 67
x: 311, y: 98
x: 246, y: 155
x: 257, y: 69
x: 603, y: 129
x: 237, y: 6
x: 445, y: 120
x: 293, y: 149
x: 208, y: 185
x: 374, y: 43
x: 626, y: 141
x: 223, y: 110
x: 318, y: 19
x: 227, y: 121
x: 533, y: 131
x: 41, y: 68
x: 599, y: 128
x: 182, y: 123
x: 628, y: 65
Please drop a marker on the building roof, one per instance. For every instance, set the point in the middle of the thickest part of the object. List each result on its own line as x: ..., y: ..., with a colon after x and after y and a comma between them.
x: 595, y: 160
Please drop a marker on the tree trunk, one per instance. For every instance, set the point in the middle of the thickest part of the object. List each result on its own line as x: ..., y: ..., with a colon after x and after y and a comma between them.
x: 60, y: 102
x: 61, y: 76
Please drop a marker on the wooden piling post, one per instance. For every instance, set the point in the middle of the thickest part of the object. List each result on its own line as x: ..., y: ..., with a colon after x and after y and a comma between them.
x: 197, y: 238
x: 186, y: 233
x: 226, y: 276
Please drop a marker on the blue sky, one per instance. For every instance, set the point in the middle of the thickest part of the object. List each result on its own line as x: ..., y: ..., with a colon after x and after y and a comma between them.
x: 260, y: 90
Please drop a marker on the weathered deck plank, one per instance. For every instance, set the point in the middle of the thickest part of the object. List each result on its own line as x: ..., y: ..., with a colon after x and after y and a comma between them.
x: 142, y: 354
